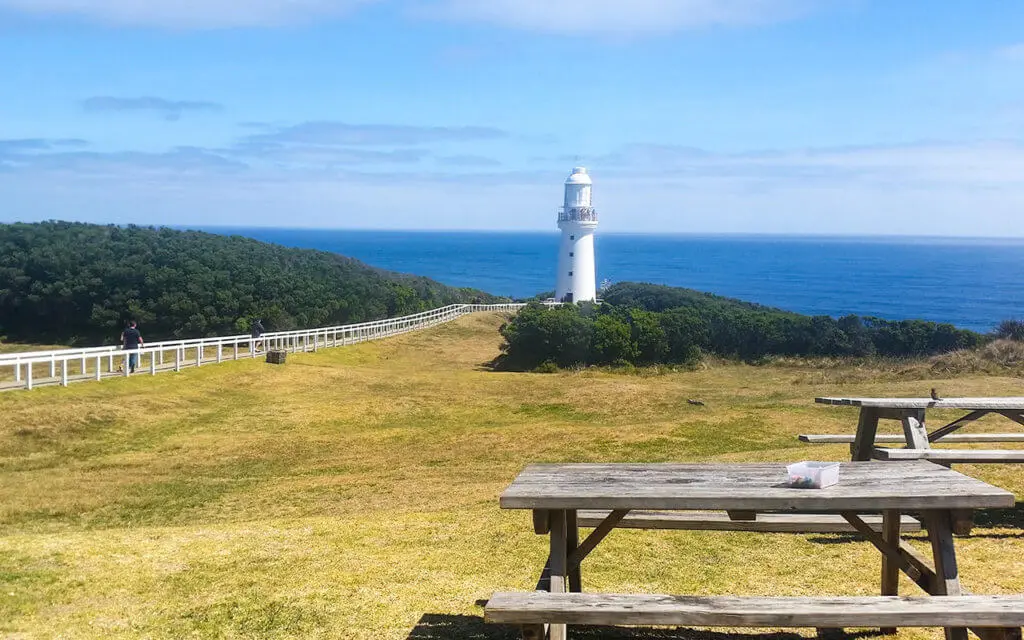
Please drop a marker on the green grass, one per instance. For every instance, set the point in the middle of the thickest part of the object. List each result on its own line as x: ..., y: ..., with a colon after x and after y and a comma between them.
x: 353, y: 493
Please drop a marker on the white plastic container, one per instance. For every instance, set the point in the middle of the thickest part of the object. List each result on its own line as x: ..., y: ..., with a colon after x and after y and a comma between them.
x: 813, y: 475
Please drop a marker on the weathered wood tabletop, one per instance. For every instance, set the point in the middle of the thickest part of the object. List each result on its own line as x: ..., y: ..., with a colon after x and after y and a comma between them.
x: 993, y: 404
x: 863, y: 486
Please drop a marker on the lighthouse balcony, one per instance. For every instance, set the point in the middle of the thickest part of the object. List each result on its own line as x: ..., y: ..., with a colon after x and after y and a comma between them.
x: 577, y: 214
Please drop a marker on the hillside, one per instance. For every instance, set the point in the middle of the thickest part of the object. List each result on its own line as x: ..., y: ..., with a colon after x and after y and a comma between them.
x: 353, y: 493
x: 79, y: 283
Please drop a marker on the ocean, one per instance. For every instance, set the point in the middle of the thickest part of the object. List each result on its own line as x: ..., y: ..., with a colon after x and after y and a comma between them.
x: 971, y: 283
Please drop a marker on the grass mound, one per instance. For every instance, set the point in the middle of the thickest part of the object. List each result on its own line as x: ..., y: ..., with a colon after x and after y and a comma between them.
x: 352, y: 493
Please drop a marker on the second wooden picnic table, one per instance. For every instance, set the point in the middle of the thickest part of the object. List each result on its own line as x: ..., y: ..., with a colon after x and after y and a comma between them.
x: 556, y: 492
x: 911, y: 414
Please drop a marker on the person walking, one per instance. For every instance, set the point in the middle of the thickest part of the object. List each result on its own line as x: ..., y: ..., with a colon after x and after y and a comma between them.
x: 131, y: 339
x: 256, y: 332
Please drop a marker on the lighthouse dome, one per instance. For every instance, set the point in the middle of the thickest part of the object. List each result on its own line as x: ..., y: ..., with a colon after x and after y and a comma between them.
x: 578, y: 176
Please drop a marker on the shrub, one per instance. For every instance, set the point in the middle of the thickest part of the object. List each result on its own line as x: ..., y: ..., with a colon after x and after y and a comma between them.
x: 1010, y: 330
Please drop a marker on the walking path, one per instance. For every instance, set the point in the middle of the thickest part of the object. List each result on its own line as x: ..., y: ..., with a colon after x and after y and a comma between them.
x: 64, y: 366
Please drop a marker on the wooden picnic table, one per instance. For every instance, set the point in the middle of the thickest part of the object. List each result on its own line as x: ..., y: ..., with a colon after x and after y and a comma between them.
x: 556, y: 492
x: 911, y: 413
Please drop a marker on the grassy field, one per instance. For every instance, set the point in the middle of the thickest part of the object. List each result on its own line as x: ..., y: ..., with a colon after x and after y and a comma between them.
x: 353, y: 493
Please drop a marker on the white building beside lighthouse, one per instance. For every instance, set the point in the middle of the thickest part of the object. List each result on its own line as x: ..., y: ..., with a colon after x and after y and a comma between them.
x: 577, y: 277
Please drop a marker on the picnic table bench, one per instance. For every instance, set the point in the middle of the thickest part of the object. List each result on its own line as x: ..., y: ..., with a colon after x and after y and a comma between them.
x: 910, y: 412
x: 558, y: 493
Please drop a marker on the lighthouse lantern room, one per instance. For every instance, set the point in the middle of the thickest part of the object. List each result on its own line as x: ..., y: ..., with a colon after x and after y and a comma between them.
x: 577, y: 277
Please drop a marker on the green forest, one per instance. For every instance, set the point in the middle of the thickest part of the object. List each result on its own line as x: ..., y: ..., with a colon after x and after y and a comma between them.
x: 74, y: 283
x: 644, y: 324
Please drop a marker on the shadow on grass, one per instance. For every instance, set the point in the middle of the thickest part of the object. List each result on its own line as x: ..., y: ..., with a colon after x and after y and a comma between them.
x: 436, y: 626
x: 1012, y: 518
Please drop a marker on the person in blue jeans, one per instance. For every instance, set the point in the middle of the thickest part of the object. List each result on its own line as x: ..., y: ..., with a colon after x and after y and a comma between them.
x: 132, y: 341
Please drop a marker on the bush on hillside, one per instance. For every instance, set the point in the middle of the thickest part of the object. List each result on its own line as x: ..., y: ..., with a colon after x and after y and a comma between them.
x: 1010, y: 330
x: 70, y: 282
x: 612, y: 334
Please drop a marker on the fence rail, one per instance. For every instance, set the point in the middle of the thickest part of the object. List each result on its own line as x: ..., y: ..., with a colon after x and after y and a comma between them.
x: 74, y: 365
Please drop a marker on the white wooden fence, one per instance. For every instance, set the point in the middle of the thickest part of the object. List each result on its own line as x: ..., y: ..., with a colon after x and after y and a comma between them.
x: 72, y: 365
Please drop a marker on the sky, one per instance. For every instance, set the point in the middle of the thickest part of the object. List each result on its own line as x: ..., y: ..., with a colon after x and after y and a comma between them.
x: 865, y: 117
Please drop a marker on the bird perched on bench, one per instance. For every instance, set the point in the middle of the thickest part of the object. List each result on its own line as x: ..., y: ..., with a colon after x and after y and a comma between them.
x: 696, y: 403
x: 935, y: 394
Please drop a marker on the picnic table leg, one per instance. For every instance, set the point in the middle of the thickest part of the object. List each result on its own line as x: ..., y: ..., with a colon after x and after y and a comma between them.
x: 914, y: 430
x: 867, y: 427
x: 947, y: 578
x: 559, y: 565
x: 890, y: 569
x: 572, y: 540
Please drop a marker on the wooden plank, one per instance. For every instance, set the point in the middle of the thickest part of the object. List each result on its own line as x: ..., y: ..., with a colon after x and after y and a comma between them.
x: 827, y: 438
x: 867, y: 429
x: 1016, y: 416
x: 943, y: 432
x: 890, y: 568
x: 603, y: 528
x: 922, y: 575
x: 736, y: 611
x: 558, y: 562
x: 863, y: 487
x: 541, y: 521
x: 914, y: 430
x: 742, y: 516
x: 717, y: 521
x: 947, y: 583
x: 572, y: 542
x: 994, y: 404
x: 1007, y: 456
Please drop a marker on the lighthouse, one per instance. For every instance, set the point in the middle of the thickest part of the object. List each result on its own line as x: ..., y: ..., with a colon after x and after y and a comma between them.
x: 577, y: 277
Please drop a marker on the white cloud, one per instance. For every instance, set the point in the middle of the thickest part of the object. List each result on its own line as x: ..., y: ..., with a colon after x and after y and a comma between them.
x: 618, y: 16
x: 1012, y: 52
x: 188, y: 14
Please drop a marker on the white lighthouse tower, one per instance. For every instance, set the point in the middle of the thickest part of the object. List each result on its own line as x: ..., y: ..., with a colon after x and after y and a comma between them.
x: 577, y: 278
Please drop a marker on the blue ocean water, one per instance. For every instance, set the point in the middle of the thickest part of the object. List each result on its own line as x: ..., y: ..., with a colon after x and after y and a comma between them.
x: 972, y: 283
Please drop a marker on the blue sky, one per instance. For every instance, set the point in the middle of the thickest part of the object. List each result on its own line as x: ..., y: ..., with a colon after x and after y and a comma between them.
x: 752, y: 116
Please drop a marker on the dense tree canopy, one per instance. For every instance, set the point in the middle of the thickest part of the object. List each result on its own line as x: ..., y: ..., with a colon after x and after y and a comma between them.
x: 78, y: 283
x: 649, y: 324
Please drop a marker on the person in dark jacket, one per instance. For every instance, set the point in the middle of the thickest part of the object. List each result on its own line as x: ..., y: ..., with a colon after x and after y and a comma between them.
x: 256, y: 332
x: 131, y: 340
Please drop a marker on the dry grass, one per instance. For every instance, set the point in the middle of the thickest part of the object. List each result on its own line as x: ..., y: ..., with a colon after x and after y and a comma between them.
x: 353, y: 493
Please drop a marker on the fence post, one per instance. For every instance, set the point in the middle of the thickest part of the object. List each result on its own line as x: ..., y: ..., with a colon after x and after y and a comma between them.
x: 110, y: 363
x: 99, y: 368
x: 234, y: 350
x: 152, y: 363
x: 28, y: 375
x: 64, y: 373
x: 53, y: 366
x: 84, y: 372
x: 17, y: 371
x: 220, y: 352
x: 199, y: 354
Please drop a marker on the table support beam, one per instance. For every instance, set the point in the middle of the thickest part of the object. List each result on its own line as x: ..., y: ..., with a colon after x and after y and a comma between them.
x: 559, y: 567
x: 890, y: 568
x: 596, y: 536
x: 572, y: 542
x: 1016, y: 416
x: 956, y: 424
x: 940, y: 533
x: 867, y: 427
x: 900, y: 554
